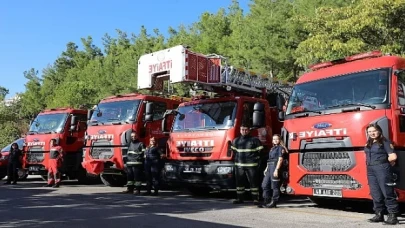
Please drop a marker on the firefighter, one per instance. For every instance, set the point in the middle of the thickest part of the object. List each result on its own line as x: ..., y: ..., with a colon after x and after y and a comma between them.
x: 271, y: 179
x: 134, y: 165
x: 380, y: 157
x: 153, y: 157
x: 55, y: 162
x: 14, y: 163
x: 247, y: 157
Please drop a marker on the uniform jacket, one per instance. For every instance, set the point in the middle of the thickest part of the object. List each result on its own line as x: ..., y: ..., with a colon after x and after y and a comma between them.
x: 136, y: 151
x: 247, y: 150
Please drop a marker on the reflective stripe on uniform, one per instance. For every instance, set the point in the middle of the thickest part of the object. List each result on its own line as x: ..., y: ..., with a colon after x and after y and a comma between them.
x: 133, y: 152
x: 143, y: 150
x: 240, y: 188
x: 138, y: 183
x: 247, y: 150
x: 246, y: 164
x: 134, y: 163
x: 130, y: 183
x: 254, y: 189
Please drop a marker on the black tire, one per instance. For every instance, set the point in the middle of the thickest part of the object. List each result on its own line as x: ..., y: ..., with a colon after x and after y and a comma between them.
x: 199, y: 191
x: 113, y: 180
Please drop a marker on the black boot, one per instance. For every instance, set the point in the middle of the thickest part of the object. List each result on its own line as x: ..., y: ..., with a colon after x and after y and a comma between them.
x: 155, y: 193
x: 147, y: 193
x: 272, y: 204
x: 138, y: 191
x: 239, y: 200
x: 130, y: 190
x: 265, y: 202
x: 379, y: 217
x: 392, y: 219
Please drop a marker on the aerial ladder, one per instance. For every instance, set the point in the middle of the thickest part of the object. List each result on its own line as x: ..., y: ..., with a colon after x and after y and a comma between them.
x: 210, y: 73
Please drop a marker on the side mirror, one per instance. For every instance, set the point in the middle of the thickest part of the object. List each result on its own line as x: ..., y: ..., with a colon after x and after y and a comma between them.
x: 280, y: 102
x: 149, y: 112
x: 258, y: 115
x: 89, y: 113
x: 73, y: 123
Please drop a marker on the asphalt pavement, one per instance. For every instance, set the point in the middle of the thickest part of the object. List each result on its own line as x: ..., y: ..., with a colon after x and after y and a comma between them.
x: 28, y: 204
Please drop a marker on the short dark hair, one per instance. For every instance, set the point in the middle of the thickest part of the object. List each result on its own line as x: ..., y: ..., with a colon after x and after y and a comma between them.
x: 245, y: 125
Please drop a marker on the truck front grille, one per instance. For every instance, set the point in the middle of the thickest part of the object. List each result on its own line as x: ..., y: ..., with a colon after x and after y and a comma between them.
x: 101, y: 150
x: 333, y: 161
x: 35, y: 155
x: 328, y: 181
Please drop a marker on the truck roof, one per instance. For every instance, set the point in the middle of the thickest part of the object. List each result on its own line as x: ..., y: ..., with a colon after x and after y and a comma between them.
x: 63, y: 110
x: 352, y: 67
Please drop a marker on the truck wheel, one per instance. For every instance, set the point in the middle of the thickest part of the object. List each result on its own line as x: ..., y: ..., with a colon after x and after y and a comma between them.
x: 113, y: 180
x: 87, y: 178
x: 199, y: 191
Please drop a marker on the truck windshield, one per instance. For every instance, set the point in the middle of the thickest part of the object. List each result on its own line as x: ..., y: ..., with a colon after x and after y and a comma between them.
x: 220, y: 115
x: 364, y: 88
x: 115, y: 111
x: 49, y: 123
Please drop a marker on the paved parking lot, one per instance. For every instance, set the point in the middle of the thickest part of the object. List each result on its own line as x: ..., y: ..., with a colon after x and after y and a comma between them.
x: 28, y: 204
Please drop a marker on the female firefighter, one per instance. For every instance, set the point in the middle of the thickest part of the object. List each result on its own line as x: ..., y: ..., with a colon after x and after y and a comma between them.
x: 271, y: 180
x: 14, y: 163
x: 153, y: 155
x: 380, y: 157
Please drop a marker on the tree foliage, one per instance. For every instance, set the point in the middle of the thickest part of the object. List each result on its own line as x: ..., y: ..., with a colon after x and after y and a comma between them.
x: 278, y: 37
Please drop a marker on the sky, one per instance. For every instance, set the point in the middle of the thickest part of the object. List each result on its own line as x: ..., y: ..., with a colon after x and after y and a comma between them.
x: 33, y: 33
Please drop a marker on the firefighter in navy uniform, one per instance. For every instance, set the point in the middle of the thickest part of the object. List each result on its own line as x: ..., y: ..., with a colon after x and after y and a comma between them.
x: 271, y: 180
x: 134, y: 165
x: 247, y: 158
x: 14, y: 163
x: 380, y: 157
x: 153, y: 158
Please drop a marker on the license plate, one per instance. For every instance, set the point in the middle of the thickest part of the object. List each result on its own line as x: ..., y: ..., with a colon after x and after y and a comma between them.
x: 192, y: 169
x: 327, y: 192
x: 33, y: 168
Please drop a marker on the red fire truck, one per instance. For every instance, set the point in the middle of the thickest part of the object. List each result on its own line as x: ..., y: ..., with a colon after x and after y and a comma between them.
x: 326, y: 119
x: 199, y: 146
x: 67, y: 126
x: 109, y: 132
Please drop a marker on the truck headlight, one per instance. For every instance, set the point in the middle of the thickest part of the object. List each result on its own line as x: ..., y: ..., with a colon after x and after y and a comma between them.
x: 224, y: 170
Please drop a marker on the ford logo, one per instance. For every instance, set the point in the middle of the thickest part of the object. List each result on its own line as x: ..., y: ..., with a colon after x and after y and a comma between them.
x: 36, y: 140
x: 322, y: 125
x: 102, y: 131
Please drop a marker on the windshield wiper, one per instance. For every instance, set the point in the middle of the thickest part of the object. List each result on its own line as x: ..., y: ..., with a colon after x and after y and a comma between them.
x: 304, y: 113
x: 353, y: 104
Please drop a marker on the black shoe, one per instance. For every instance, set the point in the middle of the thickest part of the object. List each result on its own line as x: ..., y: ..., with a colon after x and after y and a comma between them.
x: 48, y: 185
x: 272, y: 204
x: 7, y: 182
x: 392, y: 219
x: 238, y: 201
x: 155, y: 193
x: 256, y: 202
x: 14, y: 183
x: 55, y: 186
x: 128, y: 191
x: 379, y: 217
x: 263, y: 205
x: 148, y: 193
